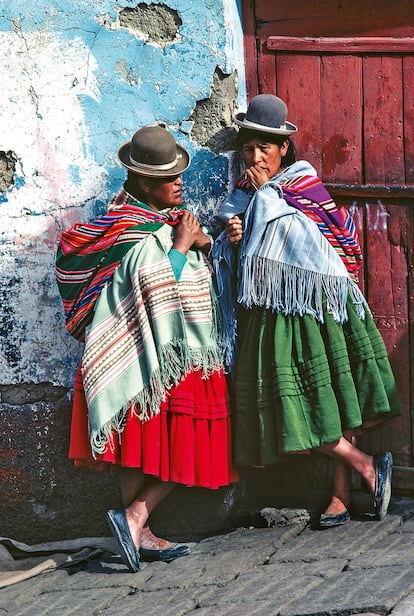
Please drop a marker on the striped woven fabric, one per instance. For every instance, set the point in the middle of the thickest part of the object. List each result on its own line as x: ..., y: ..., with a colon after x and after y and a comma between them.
x: 89, y: 253
x: 147, y: 332
x: 308, y: 194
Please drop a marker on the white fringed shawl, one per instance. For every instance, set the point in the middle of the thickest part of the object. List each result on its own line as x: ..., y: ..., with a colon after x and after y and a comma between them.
x: 285, y: 264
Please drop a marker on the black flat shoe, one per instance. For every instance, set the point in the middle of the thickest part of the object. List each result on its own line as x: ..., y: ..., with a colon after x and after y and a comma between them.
x: 383, y: 474
x: 175, y: 551
x: 327, y: 520
x: 119, y: 527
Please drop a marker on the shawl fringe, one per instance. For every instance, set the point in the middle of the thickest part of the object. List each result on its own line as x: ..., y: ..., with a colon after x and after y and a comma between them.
x: 289, y: 289
x: 223, y: 260
x: 176, y: 360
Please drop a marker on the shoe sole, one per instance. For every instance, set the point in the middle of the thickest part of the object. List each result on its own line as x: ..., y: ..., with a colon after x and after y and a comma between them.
x: 381, y: 511
x: 329, y: 521
x: 170, y: 554
x: 123, y: 552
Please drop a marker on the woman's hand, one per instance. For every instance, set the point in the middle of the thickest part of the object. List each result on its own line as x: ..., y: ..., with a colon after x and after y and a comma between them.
x: 188, y: 233
x: 234, y: 230
x: 257, y: 176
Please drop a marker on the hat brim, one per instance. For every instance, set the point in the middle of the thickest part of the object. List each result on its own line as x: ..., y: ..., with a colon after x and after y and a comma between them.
x: 183, y: 162
x: 288, y: 129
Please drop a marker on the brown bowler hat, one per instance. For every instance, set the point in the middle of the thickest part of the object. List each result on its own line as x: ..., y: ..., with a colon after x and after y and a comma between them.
x: 154, y: 152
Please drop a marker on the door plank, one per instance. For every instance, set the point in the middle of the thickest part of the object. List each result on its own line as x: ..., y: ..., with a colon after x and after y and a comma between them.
x: 408, y: 76
x: 298, y: 83
x: 341, y: 112
x: 267, y: 70
x: 386, y: 275
x: 410, y: 295
x: 341, y: 45
x: 250, y: 51
x: 335, y: 18
x: 383, y: 122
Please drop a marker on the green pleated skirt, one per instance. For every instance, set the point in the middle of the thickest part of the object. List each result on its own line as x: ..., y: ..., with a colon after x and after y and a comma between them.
x: 300, y: 384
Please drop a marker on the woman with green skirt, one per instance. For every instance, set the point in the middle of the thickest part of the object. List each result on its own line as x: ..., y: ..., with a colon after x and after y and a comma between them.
x: 310, y: 369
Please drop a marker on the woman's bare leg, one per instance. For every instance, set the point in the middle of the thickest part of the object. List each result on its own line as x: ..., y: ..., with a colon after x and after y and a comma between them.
x: 353, y: 457
x: 152, y: 491
x: 341, y: 498
x: 140, y: 495
x: 131, y: 483
x: 341, y: 495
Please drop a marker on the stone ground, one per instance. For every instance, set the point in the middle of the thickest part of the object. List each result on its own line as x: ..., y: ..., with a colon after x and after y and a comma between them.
x: 287, y: 569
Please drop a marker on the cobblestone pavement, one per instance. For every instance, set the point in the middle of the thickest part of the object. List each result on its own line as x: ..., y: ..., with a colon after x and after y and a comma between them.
x: 288, y: 569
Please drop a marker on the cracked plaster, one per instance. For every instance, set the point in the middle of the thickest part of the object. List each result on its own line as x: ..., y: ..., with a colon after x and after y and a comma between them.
x: 213, y: 116
x: 77, y: 81
x: 7, y: 170
x: 156, y: 23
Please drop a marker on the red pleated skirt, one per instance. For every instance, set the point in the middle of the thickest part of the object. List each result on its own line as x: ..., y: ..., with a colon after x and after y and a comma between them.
x: 188, y: 442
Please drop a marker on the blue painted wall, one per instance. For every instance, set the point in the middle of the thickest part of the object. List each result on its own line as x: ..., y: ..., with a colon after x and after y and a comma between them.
x: 75, y: 86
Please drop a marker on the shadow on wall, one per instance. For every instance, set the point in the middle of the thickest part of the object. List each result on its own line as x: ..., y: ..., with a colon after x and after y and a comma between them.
x: 44, y: 498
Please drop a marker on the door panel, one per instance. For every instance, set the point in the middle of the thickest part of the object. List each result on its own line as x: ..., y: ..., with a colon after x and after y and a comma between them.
x: 408, y: 98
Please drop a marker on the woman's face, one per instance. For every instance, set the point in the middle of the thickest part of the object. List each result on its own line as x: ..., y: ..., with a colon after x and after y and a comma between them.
x: 264, y: 155
x: 162, y: 193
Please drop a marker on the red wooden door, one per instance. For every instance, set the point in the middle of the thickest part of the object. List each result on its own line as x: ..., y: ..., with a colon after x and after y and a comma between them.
x: 346, y: 72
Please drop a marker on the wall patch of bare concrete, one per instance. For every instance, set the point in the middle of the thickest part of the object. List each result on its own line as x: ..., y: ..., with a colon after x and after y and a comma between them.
x: 158, y: 23
x: 7, y: 170
x: 78, y: 78
x: 213, y: 115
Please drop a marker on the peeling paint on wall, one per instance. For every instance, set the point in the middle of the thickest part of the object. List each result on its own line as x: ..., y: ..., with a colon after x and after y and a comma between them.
x: 78, y: 78
x: 10, y: 332
x: 213, y: 116
x: 7, y: 170
x: 157, y: 23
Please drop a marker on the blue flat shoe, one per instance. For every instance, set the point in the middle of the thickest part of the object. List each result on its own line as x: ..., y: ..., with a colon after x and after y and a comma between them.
x: 383, y: 474
x: 119, y: 527
x: 166, y: 556
x: 327, y: 520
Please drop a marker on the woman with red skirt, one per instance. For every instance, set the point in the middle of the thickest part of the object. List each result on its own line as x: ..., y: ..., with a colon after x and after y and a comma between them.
x: 150, y: 395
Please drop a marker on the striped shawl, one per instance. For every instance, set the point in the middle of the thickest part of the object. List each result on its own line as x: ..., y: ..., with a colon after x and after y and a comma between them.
x: 89, y: 253
x: 146, y: 332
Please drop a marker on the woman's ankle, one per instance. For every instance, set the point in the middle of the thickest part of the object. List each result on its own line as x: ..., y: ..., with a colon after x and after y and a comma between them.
x: 338, y: 504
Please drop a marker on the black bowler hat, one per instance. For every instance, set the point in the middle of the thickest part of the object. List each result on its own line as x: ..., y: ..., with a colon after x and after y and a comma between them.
x: 266, y: 113
x: 154, y: 152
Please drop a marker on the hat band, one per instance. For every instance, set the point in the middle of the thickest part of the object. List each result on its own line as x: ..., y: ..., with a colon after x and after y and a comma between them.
x: 261, y: 126
x: 165, y: 167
